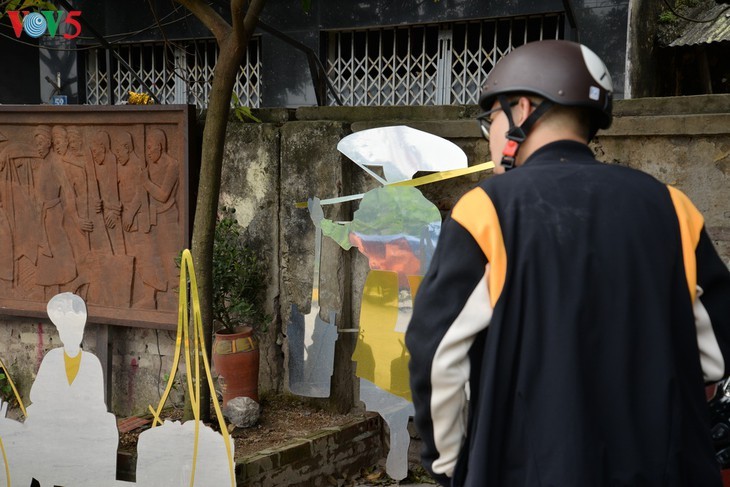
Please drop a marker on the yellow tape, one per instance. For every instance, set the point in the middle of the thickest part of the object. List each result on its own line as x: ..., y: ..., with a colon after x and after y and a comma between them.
x: 443, y: 175
x: 183, y: 320
x: 5, y: 460
x: 15, y: 390
x: 428, y: 179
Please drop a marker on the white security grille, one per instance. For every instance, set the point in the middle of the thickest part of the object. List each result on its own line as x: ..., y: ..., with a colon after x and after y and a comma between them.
x: 427, y: 65
x: 179, y: 73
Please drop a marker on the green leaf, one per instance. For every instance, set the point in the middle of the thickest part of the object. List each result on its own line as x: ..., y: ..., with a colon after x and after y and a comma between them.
x: 241, y: 111
x: 239, y: 277
x: 13, y: 5
x: 38, y: 5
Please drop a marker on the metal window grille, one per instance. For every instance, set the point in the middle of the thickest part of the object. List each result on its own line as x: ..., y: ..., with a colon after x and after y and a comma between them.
x: 179, y: 73
x: 430, y: 64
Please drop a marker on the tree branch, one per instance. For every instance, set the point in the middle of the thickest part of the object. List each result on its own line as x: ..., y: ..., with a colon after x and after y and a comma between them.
x: 209, y: 17
x: 244, y: 23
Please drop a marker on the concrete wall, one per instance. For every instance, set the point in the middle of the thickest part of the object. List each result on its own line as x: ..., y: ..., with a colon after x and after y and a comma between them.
x: 292, y: 156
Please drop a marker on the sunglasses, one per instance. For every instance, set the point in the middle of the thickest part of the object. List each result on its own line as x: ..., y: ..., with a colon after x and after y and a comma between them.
x: 485, y: 119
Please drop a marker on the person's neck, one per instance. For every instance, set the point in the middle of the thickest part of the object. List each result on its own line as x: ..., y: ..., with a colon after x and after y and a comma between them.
x: 541, y: 138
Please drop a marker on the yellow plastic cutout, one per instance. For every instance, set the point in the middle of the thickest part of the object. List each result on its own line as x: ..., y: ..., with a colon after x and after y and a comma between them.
x: 414, y: 282
x: 380, y: 352
x: 187, y: 271
x: 72, y: 366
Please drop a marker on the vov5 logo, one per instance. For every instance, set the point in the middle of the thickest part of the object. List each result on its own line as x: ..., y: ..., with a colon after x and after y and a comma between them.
x: 35, y: 24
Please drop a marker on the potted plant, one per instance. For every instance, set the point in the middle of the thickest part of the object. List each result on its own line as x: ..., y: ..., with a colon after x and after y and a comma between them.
x: 239, y: 285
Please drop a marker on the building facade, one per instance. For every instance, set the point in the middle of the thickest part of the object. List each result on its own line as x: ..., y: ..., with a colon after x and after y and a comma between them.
x: 364, y: 53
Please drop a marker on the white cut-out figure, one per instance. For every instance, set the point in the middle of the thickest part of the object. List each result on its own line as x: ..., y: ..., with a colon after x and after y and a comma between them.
x: 165, y: 456
x: 68, y: 437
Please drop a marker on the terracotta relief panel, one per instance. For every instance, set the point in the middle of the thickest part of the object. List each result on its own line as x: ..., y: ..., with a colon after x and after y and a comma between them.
x: 94, y: 201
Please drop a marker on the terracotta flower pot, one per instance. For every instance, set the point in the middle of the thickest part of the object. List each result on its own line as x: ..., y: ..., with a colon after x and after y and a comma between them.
x: 236, y: 359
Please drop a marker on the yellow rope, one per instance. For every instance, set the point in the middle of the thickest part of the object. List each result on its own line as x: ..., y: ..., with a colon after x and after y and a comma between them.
x: 15, y: 390
x: 186, y: 264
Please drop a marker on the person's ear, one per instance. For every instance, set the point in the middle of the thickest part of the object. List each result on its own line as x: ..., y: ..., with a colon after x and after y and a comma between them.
x: 525, y: 106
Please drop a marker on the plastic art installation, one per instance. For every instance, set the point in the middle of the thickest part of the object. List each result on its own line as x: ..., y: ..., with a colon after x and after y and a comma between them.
x: 69, y: 439
x: 397, y: 228
x: 311, y: 339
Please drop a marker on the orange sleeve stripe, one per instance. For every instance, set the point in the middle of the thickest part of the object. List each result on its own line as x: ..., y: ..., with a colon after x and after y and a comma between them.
x: 690, y: 226
x: 476, y: 213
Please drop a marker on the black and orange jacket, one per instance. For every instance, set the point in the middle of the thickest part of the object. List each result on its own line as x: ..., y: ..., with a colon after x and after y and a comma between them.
x: 583, y: 308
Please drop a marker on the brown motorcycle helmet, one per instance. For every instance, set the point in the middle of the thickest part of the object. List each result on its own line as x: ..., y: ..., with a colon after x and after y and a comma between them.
x: 564, y: 72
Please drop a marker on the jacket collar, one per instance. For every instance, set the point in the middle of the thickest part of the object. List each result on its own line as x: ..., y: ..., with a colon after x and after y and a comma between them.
x: 561, y: 151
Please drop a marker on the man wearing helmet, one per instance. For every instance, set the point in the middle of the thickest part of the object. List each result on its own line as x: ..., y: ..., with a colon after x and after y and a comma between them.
x: 580, y: 305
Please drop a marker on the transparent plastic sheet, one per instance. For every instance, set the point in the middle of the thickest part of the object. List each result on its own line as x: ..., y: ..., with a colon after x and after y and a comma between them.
x: 311, y: 339
x: 395, y: 412
x: 397, y: 228
x: 401, y: 152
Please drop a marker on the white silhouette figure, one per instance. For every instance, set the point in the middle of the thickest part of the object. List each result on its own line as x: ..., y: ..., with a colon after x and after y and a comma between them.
x: 68, y: 437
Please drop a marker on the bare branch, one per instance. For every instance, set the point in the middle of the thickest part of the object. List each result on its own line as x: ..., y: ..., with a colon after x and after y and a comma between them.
x: 244, y: 23
x: 209, y: 17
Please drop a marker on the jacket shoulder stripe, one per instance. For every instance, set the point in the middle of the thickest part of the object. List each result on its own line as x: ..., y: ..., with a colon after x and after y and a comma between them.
x: 690, y: 227
x: 477, y: 214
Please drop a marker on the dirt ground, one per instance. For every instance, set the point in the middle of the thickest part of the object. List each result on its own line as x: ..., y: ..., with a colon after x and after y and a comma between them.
x: 282, y: 419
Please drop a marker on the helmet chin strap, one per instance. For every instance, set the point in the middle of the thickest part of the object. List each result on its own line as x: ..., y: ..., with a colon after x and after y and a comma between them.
x: 517, y: 135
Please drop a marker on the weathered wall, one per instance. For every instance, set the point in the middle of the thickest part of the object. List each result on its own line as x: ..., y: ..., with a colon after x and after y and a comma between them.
x: 292, y: 156
x: 681, y: 141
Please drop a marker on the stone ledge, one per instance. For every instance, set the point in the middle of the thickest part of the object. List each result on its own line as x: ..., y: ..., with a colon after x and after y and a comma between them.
x: 307, y: 461
x: 670, y: 125
x: 335, y: 451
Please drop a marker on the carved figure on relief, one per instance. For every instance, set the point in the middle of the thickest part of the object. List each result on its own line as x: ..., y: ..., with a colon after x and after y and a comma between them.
x: 149, y: 275
x: 108, y: 257
x: 55, y: 261
x: 18, y: 161
x: 161, y: 182
x: 75, y: 199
